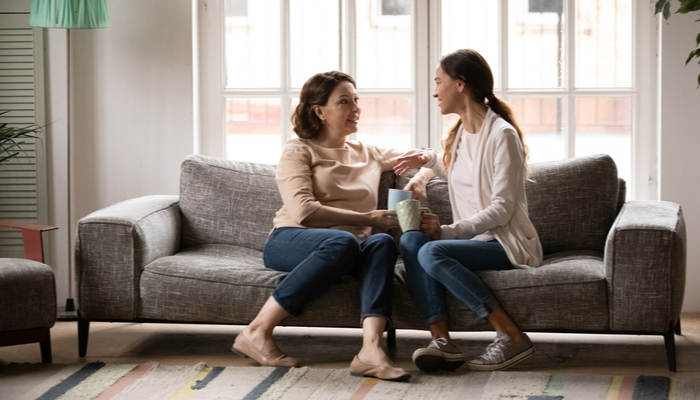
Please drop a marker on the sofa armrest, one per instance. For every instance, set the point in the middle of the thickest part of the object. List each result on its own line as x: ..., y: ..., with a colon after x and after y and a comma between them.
x: 645, y: 261
x: 112, y: 247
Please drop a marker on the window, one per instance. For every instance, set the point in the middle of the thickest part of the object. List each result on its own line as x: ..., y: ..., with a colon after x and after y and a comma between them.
x: 396, y: 7
x: 237, y: 8
x: 571, y: 70
x: 268, y: 56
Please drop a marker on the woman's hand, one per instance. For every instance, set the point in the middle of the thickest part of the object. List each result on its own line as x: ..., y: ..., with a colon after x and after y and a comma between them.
x: 419, y: 191
x: 408, y: 162
x: 382, y: 219
x: 430, y: 225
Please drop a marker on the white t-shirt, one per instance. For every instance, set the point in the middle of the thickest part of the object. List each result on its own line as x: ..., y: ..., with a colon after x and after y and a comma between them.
x: 461, y: 180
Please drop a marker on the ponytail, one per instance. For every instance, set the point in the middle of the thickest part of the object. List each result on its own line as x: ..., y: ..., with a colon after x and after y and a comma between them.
x: 503, y: 109
x: 470, y: 67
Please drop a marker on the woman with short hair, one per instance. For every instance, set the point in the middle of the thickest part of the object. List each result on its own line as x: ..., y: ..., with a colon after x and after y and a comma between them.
x: 329, y: 186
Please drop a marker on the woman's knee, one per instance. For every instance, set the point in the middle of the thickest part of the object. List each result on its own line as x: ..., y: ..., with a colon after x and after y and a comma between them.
x: 412, y: 241
x: 383, y: 243
x: 428, y: 257
x: 343, y: 244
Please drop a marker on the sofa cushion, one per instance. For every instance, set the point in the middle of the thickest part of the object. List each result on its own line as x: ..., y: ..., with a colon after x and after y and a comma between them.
x: 229, y: 284
x: 568, y: 292
x: 227, y: 202
x: 573, y: 203
x: 27, y: 295
x: 206, y: 283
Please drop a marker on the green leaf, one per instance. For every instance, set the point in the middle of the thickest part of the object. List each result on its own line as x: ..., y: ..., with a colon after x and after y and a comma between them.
x: 660, y: 6
x: 686, y: 6
x: 667, y: 10
x: 3, y: 159
x: 697, y: 40
x: 11, y: 139
x: 694, y: 53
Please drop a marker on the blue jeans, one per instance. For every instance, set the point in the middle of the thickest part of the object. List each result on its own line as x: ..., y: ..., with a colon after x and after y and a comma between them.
x: 432, y: 266
x: 318, y: 258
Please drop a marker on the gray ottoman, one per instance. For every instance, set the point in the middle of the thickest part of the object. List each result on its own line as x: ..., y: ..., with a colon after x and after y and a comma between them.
x: 27, y: 304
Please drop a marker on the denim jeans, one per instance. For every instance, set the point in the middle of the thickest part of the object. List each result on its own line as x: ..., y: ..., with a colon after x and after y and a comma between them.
x: 432, y: 266
x: 317, y: 258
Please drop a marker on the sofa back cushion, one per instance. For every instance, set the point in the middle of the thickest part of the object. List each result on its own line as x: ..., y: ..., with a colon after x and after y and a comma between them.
x: 573, y: 203
x: 227, y: 202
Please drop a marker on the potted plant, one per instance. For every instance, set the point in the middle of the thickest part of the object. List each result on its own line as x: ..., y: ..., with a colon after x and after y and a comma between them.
x: 12, y: 139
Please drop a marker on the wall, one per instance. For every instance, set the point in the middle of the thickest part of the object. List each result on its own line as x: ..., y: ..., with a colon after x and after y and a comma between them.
x: 131, y: 112
x: 132, y: 103
x: 680, y: 137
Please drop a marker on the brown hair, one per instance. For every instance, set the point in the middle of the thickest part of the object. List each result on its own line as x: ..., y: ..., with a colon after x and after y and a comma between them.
x: 315, y: 92
x: 471, y: 68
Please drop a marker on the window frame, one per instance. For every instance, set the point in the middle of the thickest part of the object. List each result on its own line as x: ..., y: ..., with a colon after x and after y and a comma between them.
x: 212, y: 92
x: 643, y: 92
x: 209, y: 77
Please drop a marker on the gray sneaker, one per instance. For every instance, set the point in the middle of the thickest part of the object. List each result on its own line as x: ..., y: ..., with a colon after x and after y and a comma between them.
x: 502, y: 353
x: 438, y: 356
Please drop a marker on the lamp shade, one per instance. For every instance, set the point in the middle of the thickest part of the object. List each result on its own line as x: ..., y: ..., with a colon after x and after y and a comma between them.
x: 83, y: 14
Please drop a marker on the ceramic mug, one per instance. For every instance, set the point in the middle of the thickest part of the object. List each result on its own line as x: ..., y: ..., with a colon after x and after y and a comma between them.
x: 397, y: 195
x: 408, y: 212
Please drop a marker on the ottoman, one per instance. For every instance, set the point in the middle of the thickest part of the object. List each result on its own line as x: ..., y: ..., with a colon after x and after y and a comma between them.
x: 27, y: 304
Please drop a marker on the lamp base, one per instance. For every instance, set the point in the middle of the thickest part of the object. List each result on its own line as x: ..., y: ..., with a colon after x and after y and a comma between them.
x: 70, y: 305
x: 67, y: 313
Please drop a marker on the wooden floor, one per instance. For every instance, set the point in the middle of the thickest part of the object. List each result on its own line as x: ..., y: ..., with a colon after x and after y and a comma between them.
x: 178, y: 344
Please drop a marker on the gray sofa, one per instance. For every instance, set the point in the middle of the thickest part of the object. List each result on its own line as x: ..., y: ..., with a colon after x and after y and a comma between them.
x: 610, y: 266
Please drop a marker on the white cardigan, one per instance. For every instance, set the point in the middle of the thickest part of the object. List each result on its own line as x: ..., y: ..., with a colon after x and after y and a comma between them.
x: 497, y: 174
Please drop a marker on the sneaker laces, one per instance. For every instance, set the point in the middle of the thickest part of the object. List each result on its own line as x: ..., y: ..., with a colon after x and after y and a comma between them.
x: 436, y: 342
x: 494, y: 350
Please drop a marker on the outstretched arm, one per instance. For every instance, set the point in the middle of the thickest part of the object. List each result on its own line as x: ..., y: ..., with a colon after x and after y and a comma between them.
x: 325, y: 217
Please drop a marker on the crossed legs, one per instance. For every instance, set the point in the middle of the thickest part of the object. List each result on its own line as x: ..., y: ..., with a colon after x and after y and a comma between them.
x: 433, y: 266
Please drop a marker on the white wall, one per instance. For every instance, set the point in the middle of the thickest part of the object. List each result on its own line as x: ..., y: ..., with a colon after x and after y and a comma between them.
x: 131, y: 113
x: 132, y: 117
x: 680, y: 137
x: 132, y: 103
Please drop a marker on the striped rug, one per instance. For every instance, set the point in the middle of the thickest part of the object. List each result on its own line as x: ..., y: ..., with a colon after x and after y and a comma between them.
x: 156, y: 381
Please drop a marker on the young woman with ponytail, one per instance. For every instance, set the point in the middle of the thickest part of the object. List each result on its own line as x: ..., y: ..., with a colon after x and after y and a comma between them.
x: 484, y: 160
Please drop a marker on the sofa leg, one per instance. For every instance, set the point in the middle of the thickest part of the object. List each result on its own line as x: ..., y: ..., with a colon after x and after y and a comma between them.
x: 391, y: 338
x: 83, y: 330
x: 678, y: 327
x: 670, y: 342
x: 45, y: 346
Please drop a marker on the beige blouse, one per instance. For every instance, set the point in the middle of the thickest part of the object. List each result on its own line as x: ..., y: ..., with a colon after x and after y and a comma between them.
x: 309, y: 176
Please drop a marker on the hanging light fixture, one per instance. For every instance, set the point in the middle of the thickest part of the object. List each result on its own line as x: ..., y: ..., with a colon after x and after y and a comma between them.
x: 82, y: 14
